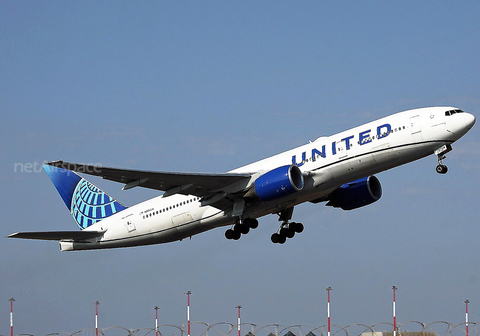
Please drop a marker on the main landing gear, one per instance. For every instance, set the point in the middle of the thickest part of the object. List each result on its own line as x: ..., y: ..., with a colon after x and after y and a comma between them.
x: 287, y: 229
x: 441, y: 168
x: 241, y: 227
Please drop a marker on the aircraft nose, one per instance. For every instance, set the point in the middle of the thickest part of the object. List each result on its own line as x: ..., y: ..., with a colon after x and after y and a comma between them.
x: 469, y: 120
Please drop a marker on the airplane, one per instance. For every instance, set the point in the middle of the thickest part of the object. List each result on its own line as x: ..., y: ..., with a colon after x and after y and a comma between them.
x: 337, y: 169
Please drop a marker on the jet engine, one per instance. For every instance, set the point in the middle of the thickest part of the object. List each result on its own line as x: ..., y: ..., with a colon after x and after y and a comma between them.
x: 356, y: 194
x: 277, y: 183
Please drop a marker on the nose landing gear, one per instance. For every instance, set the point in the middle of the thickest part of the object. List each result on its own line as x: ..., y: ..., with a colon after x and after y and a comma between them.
x: 440, y: 153
x: 441, y: 168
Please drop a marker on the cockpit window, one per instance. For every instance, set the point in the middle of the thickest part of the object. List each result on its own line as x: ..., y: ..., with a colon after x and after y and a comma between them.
x: 452, y: 112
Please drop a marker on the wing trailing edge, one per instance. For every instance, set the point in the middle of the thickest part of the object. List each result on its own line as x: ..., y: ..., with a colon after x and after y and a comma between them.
x: 199, y: 184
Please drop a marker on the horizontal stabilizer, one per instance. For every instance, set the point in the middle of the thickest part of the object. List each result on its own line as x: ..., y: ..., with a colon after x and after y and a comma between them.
x: 58, y: 235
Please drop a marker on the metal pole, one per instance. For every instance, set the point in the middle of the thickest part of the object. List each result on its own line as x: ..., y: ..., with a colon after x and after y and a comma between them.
x: 96, y: 318
x: 394, y: 317
x: 328, y: 289
x: 238, y: 321
x: 188, y: 312
x: 466, y: 315
x: 11, y: 316
x: 156, y: 320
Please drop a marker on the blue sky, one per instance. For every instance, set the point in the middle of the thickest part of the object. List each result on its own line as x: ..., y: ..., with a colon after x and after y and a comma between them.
x: 211, y: 86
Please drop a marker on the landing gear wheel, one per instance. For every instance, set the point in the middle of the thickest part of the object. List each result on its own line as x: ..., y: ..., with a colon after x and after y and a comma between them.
x: 229, y: 234
x: 290, y: 233
x: 275, y: 238
x: 252, y: 223
x: 297, y: 227
x: 278, y: 238
x: 441, y: 169
x: 232, y: 234
x: 241, y: 228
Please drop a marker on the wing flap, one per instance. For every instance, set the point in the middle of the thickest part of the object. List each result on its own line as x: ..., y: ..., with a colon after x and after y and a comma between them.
x: 58, y: 235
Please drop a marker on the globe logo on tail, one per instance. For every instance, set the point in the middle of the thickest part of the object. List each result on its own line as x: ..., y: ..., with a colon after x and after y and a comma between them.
x: 90, y: 204
x: 87, y: 203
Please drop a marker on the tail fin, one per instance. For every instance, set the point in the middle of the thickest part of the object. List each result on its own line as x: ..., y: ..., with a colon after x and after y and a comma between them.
x: 87, y: 203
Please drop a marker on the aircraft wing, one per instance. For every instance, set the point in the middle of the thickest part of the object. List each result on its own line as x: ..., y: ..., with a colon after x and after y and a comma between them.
x: 199, y: 184
x: 58, y: 235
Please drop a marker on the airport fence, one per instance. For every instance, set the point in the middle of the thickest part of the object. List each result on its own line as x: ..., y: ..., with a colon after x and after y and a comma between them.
x: 411, y: 328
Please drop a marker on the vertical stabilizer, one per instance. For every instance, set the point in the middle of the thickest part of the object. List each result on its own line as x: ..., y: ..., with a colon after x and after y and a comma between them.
x: 87, y: 203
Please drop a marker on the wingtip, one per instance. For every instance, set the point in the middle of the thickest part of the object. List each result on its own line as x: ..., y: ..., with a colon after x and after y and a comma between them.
x: 55, y: 163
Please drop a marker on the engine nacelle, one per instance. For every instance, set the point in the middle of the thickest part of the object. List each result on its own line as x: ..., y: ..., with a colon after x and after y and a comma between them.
x: 277, y: 183
x: 356, y: 194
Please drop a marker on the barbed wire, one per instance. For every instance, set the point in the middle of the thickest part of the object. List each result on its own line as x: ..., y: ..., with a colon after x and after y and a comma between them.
x: 437, y: 328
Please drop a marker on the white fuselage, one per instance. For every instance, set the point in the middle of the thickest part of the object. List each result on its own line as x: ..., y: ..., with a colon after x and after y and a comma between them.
x: 326, y: 163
